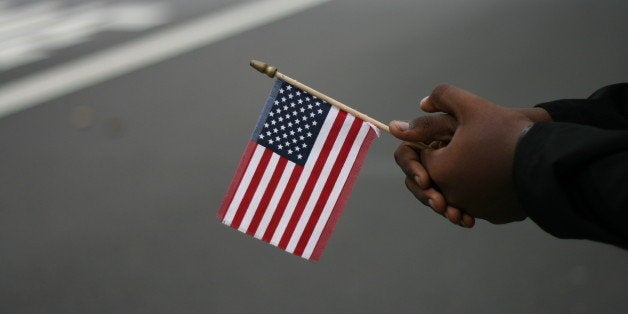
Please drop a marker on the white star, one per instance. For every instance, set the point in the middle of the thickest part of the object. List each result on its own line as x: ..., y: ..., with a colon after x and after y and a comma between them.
x: 273, y: 122
x: 314, y: 97
x: 307, y: 126
x: 314, y: 123
x: 283, y: 127
x: 287, y: 143
x: 290, y: 96
x: 312, y: 114
x: 276, y: 102
x: 281, y: 91
x: 280, y: 146
x: 284, y: 135
x: 277, y: 138
x: 302, y: 109
x: 307, y: 98
x: 320, y: 111
x: 268, y: 133
x: 280, y: 119
x: 299, y: 156
x: 317, y: 104
x: 261, y: 136
x: 297, y: 121
x: 275, y: 130
x: 300, y: 101
x: 292, y: 104
x: 294, y: 113
x: 297, y: 148
x: 299, y: 129
x: 265, y: 125
x: 271, y: 141
x: 285, y: 107
x: 294, y: 140
x: 271, y: 113
x: 301, y: 137
x: 289, y: 151
x: 298, y: 93
x: 289, y: 124
x: 291, y: 132
x: 310, y: 106
x: 289, y: 87
x: 309, y: 134
x: 278, y: 110
x: 304, y: 145
x: 304, y: 118
x: 283, y: 99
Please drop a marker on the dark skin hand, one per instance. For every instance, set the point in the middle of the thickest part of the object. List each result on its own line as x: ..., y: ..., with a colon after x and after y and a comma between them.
x: 469, y: 172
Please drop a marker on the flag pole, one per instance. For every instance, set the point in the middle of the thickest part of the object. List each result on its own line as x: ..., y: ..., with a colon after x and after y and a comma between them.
x: 272, y: 71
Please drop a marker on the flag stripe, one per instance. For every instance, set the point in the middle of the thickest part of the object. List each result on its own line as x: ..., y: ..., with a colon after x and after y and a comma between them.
x: 281, y: 207
x: 246, y: 179
x: 311, y: 241
x: 250, y: 191
x: 330, y: 185
x: 309, y: 186
x: 263, y: 185
x: 237, y: 179
x: 344, y: 194
x: 291, y: 201
x: 274, y: 201
x: 268, y: 193
x: 320, y: 183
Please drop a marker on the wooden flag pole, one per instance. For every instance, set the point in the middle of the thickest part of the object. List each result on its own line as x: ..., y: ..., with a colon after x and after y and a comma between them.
x: 271, y: 72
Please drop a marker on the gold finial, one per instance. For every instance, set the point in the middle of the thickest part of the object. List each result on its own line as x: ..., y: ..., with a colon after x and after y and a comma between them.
x: 264, y: 67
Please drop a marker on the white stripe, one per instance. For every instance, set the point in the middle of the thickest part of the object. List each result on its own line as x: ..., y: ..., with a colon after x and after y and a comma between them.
x: 333, y: 197
x: 127, y: 57
x: 305, y: 175
x: 320, y: 183
x: 272, y: 205
x: 244, y: 184
x: 259, y: 192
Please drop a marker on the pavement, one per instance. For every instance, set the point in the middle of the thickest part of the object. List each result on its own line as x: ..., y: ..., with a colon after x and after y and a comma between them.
x: 108, y: 192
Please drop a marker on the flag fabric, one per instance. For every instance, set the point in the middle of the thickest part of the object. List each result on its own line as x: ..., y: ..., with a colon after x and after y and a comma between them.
x: 297, y: 172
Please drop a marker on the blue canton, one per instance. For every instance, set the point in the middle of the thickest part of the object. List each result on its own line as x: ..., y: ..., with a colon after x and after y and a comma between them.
x: 294, y: 120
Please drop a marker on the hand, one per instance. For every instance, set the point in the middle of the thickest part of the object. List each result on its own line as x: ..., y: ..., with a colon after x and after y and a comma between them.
x: 440, y: 128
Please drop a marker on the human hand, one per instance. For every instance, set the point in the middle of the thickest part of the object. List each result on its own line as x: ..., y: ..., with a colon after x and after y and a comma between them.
x: 442, y: 128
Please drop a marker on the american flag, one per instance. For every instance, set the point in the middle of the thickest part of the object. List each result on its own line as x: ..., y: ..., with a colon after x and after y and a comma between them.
x: 296, y: 172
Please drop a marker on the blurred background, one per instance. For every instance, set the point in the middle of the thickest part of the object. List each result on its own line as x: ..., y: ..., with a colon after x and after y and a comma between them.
x: 109, y: 183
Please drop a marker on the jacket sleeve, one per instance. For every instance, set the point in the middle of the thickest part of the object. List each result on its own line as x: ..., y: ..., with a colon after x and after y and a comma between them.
x: 572, y: 176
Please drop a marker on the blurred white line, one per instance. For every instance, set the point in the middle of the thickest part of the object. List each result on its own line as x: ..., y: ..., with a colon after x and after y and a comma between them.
x: 98, y: 67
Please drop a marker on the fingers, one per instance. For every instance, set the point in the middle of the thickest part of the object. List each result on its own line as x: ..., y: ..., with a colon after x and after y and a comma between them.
x: 410, y: 163
x: 435, y: 200
x: 449, y: 99
x: 426, y: 129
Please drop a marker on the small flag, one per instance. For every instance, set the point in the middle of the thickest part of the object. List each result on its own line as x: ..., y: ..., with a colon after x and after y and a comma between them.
x: 297, y: 172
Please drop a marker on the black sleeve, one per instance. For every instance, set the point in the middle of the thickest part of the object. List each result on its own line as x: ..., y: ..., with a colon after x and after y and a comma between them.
x: 572, y: 177
x: 607, y: 108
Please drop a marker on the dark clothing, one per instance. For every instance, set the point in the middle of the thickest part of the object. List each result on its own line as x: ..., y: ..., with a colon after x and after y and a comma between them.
x: 571, y: 175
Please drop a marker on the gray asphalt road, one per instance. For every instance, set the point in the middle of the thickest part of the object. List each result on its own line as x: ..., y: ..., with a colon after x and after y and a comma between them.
x: 108, y: 195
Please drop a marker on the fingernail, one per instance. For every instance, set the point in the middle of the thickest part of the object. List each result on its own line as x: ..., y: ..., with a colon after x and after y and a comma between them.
x: 462, y: 223
x: 416, y: 179
x: 431, y: 202
x: 423, y: 100
x: 446, y: 215
x: 402, y: 125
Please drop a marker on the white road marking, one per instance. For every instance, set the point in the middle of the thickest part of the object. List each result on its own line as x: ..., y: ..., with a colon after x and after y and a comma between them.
x: 98, y: 67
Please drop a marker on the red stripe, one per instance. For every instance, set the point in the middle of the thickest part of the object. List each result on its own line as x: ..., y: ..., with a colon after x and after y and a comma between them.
x: 309, y: 186
x: 344, y: 196
x: 250, y: 191
x: 237, y: 178
x: 281, y: 207
x: 329, y: 186
x: 270, y: 190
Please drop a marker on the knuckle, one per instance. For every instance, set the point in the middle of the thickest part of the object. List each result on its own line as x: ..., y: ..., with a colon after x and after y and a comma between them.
x: 440, y: 90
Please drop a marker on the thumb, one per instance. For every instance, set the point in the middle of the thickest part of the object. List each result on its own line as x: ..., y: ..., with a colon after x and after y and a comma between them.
x: 452, y: 100
x: 425, y: 129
